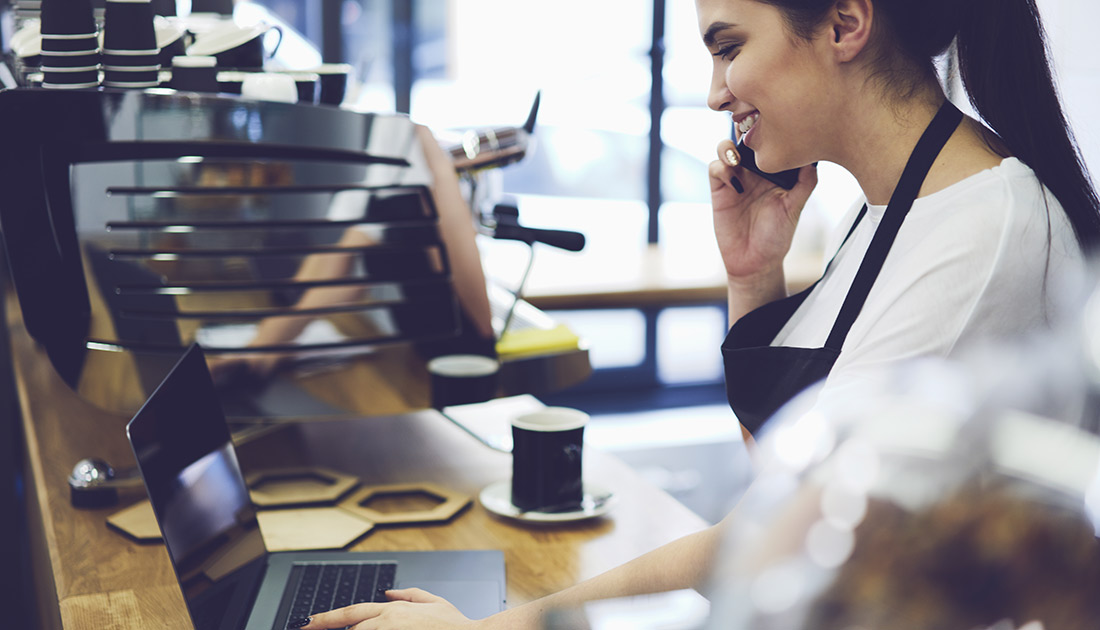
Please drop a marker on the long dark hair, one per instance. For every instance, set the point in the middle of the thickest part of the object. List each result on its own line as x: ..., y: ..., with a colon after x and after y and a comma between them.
x: 1004, y: 66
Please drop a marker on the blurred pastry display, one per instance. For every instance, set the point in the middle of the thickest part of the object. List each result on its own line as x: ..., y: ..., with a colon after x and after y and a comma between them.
x: 934, y: 500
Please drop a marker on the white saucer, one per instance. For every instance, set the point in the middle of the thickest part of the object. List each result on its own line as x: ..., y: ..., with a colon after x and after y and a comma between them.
x: 497, y: 498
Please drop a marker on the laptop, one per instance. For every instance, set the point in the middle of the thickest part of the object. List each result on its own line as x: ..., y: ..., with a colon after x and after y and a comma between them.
x: 228, y: 577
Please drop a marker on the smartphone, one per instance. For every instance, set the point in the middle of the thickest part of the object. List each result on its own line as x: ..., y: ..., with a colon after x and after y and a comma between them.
x: 785, y: 179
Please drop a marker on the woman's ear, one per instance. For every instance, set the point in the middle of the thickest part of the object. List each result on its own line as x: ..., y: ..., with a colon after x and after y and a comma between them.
x: 850, y: 27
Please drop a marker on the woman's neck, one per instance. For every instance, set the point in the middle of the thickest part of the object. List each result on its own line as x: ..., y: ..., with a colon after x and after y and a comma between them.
x: 881, y: 137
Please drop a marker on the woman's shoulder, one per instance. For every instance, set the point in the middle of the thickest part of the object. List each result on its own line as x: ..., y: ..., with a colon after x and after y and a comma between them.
x: 1009, y: 193
x: 1010, y: 180
x: 1006, y: 194
x: 999, y: 207
x: 999, y: 211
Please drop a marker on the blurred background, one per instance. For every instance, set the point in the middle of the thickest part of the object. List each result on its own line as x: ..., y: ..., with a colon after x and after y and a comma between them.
x: 622, y: 143
x: 621, y: 147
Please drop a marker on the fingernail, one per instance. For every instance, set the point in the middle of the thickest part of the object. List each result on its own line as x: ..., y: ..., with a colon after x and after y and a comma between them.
x: 731, y: 157
x: 298, y: 623
x: 737, y: 185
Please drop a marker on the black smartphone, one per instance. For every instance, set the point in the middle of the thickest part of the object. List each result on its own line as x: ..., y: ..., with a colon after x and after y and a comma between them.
x: 785, y: 179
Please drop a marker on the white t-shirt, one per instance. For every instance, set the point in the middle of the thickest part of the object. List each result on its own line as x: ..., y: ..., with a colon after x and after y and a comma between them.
x: 976, y: 260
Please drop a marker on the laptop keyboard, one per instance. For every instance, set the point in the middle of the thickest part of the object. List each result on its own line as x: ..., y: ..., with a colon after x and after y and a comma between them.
x: 322, y: 587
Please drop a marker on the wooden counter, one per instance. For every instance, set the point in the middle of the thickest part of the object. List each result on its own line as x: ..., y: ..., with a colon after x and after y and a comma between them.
x: 652, y: 276
x: 90, y: 576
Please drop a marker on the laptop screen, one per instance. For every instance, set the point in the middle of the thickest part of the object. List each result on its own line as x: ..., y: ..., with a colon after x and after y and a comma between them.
x: 186, y: 457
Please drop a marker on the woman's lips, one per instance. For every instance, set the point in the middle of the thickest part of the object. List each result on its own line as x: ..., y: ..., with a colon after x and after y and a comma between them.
x: 744, y: 123
x: 747, y: 125
x: 747, y: 138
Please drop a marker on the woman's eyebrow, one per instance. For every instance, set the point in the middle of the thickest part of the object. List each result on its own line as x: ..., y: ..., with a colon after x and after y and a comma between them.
x: 713, y: 30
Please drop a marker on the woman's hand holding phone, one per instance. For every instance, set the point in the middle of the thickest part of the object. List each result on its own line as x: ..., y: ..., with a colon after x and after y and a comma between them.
x: 754, y: 219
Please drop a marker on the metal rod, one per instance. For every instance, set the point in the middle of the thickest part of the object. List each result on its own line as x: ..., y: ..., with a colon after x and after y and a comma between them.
x: 518, y: 293
x: 404, y: 72
x: 656, y: 111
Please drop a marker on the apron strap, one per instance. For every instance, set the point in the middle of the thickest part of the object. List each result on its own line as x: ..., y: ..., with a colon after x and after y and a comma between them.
x: 920, y: 162
x: 852, y: 230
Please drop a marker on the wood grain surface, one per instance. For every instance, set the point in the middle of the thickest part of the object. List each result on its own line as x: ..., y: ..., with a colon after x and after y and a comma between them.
x: 91, y: 576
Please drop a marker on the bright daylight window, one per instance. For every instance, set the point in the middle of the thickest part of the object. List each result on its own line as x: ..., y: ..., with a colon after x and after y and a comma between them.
x: 480, y: 63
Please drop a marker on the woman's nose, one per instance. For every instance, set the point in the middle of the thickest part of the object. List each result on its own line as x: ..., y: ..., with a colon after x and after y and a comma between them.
x: 719, y: 98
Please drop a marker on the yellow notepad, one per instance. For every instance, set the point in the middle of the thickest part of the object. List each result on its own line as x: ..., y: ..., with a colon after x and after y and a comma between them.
x: 533, y: 341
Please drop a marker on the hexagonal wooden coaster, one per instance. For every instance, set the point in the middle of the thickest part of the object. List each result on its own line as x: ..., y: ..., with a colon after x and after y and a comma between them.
x: 420, y: 502
x: 282, y: 530
x: 137, y: 521
x: 298, y: 486
x: 311, y: 528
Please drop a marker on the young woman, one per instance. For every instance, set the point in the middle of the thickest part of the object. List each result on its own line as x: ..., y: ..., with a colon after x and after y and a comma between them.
x: 958, y: 240
x: 965, y: 231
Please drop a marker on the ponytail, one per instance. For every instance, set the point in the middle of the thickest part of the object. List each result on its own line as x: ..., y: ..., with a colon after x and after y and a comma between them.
x: 1004, y: 66
x: 1005, y: 69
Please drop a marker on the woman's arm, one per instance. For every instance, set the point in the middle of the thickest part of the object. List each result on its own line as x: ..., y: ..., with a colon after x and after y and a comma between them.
x: 683, y: 563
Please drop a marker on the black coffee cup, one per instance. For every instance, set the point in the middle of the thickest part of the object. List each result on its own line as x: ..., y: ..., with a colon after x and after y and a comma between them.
x: 195, y: 74
x: 77, y: 77
x: 237, y: 47
x: 67, y: 17
x: 70, y: 43
x: 130, y: 59
x: 462, y: 379
x: 333, y: 82
x: 134, y: 78
x: 128, y: 25
x: 66, y: 86
x: 306, y: 83
x: 52, y: 60
x: 547, y: 449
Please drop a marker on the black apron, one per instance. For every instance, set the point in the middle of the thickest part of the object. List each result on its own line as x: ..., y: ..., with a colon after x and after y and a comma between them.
x: 761, y: 378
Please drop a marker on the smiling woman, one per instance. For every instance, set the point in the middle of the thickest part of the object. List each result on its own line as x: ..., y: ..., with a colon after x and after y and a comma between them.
x: 965, y: 226
x: 839, y: 81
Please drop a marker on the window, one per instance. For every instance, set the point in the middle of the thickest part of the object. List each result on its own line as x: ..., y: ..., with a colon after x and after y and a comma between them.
x: 612, y: 158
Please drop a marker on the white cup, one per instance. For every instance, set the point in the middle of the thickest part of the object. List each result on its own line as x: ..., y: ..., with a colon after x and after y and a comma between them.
x: 270, y: 86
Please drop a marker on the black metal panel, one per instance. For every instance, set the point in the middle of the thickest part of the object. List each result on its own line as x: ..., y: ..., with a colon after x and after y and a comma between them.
x: 16, y: 592
x: 156, y: 220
